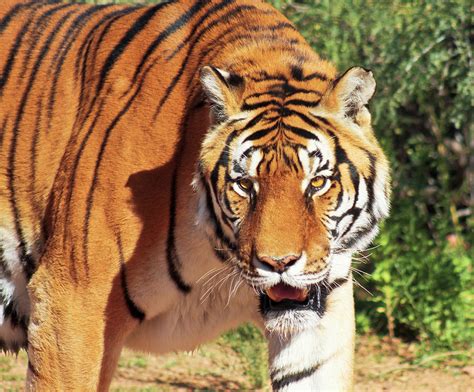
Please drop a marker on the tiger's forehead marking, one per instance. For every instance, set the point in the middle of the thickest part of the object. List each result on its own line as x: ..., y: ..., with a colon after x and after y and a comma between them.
x: 282, y: 138
x: 305, y: 161
x: 280, y: 97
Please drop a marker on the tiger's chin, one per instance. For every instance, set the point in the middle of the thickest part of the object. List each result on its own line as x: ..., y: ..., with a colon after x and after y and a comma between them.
x: 290, y: 322
x: 288, y: 310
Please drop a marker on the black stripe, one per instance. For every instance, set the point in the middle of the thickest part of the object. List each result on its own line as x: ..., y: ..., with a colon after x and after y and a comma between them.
x: 118, y: 50
x: 12, y: 56
x: 293, y: 377
x: 221, y: 40
x: 316, y: 75
x: 128, y: 37
x: 224, y: 218
x: 226, y: 17
x: 178, y: 24
x: 267, y: 164
x: 3, y: 130
x: 279, y: 93
x: 255, y: 120
x: 260, y: 134
x: 27, y: 260
x: 323, y: 120
x: 33, y: 157
x: 296, y: 72
x: 230, y: 218
x: 274, y: 42
x: 114, y: 17
x: 223, y: 160
x: 172, y: 258
x: 217, y: 227
x: 296, y: 167
x: 73, y: 173
x: 338, y: 283
x: 62, y: 51
x: 81, y: 65
x: 355, y: 237
x: 261, y: 104
x: 300, y: 131
x: 133, y: 308
x: 307, y: 120
x: 37, y: 33
x: 264, y: 76
x: 111, y: 18
x: 371, y: 182
x: 171, y: 253
x: 90, y: 195
x: 341, y: 157
x: 39, y: 26
x: 355, y: 213
x: 230, y: 247
x: 87, y: 40
x: 302, y: 102
x: 137, y: 27
x: 5, y: 21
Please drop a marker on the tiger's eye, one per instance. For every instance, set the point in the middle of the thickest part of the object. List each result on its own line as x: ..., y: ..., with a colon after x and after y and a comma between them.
x: 318, y: 182
x: 245, y: 184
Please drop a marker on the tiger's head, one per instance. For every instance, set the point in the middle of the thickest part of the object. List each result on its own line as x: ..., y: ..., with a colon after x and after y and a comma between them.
x: 293, y: 182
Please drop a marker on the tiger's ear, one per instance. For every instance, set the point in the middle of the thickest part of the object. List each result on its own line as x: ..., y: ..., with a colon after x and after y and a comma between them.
x: 349, y: 94
x: 224, y: 91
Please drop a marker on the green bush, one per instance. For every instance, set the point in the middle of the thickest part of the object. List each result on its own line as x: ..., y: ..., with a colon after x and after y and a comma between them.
x: 249, y: 343
x: 421, y: 56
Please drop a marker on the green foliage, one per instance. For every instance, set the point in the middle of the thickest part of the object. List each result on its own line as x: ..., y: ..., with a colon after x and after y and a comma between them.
x: 421, y: 56
x: 249, y: 342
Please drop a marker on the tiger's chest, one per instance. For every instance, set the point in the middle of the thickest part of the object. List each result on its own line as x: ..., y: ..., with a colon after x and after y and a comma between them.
x: 215, y: 299
x: 219, y: 302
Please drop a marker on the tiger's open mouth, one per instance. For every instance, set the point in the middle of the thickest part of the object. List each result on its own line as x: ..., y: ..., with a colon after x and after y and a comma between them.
x: 282, y: 292
x: 282, y: 297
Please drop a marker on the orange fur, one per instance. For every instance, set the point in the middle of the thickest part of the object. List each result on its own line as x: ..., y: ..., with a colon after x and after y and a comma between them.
x: 101, y: 129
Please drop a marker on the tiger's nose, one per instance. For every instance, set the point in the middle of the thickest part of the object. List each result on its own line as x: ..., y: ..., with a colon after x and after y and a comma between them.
x: 279, y: 264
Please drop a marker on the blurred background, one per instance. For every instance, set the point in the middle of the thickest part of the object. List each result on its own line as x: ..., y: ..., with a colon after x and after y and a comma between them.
x: 415, y: 303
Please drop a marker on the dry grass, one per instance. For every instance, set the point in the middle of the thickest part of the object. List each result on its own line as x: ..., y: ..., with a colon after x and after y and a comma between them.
x: 216, y: 367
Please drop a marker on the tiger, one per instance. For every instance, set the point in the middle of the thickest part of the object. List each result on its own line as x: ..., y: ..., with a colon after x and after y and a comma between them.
x: 171, y: 171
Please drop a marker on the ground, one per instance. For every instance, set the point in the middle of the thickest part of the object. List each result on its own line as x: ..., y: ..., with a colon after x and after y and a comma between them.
x: 379, y: 366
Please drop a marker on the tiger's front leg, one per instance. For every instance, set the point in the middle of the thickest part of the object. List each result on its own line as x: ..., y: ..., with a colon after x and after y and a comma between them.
x: 318, y: 358
x: 77, y: 328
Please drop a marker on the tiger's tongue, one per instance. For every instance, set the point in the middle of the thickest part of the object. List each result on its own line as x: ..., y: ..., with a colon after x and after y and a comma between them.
x: 282, y: 291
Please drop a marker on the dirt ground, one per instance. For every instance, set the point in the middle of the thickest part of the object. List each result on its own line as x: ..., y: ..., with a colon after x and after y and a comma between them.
x: 379, y: 366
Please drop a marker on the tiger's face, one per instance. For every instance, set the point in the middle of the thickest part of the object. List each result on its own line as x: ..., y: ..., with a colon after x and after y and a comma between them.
x: 294, y: 183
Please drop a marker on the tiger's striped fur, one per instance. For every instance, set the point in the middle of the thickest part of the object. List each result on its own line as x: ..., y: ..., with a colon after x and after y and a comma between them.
x: 107, y: 115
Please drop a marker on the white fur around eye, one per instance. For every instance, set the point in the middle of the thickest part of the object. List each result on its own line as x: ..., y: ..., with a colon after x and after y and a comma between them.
x: 236, y: 187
